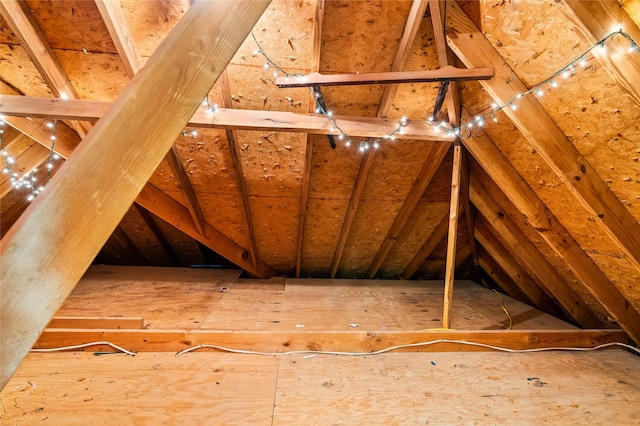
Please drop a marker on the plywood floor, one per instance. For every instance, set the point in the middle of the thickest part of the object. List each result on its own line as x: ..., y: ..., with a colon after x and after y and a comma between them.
x: 173, y: 298
x: 596, y: 388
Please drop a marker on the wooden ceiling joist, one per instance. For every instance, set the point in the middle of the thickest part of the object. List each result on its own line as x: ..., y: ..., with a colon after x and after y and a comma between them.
x: 23, y: 24
x: 429, y: 168
x: 472, y: 47
x: 182, y: 65
x: 236, y: 119
x: 596, y: 19
x: 538, y: 215
x: 529, y: 256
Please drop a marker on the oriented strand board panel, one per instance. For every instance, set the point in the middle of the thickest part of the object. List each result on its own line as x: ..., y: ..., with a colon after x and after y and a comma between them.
x: 390, y: 389
x: 151, y: 388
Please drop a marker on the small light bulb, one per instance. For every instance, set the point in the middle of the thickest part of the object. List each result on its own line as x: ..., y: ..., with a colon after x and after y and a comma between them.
x: 583, y: 62
x: 519, y: 95
x: 494, y: 105
x: 602, y: 47
x: 50, y: 125
x: 266, y: 66
x: 317, y: 110
x: 375, y: 145
x: 565, y: 73
x: 30, y: 197
x: 469, y: 125
x: 495, y: 119
x: 49, y: 165
x: 329, y: 113
x: 64, y: 96
x: 341, y: 136
x: 514, y: 107
x: 392, y: 137
x: 275, y: 74
x: 481, y: 123
x: 194, y: 133
x: 256, y: 52
x: 553, y: 83
x: 53, y: 137
x: 9, y: 160
x: 5, y: 170
x: 348, y: 143
x: 540, y: 93
x: 56, y: 156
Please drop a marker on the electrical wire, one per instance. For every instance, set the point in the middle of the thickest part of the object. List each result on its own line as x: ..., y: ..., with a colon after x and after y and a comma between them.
x: 84, y: 345
x: 409, y: 345
x: 504, y: 309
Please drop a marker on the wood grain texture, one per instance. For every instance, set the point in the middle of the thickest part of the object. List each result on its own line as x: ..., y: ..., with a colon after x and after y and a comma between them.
x: 452, y: 235
x: 237, y: 119
x: 183, y: 67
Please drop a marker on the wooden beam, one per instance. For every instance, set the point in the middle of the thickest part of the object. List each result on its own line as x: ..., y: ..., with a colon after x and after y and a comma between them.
x: 24, y: 26
x: 238, y: 171
x: 306, y: 173
x: 448, y: 73
x: 436, y: 236
x: 528, y: 255
x: 544, y: 134
x: 452, y: 237
x: 347, y: 341
x: 157, y: 232
x: 354, y: 202
x: 189, y: 195
x: 409, y: 33
x: 171, y: 211
x: 507, y: 262
x: 164, y: 207
x: 236, y: 119
x: 121, y: 34
x: 538, y: 215
x: 97, y: 322
x: 594, y: 20
x: 128, y: 245
x: 87, y: 210
x: 434, y: 159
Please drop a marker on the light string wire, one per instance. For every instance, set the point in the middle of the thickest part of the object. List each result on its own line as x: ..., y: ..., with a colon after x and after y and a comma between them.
x: 339, y: 132
x: 478, y: 119
x: 29, y: 179
x: 566, y: 71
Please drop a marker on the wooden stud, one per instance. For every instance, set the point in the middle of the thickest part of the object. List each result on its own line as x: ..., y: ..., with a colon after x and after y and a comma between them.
x: 448, y: 73
x: 157, y: 232
x: 23, y: 24
x: 347, y: 341
x: 507, y: 262
x: 529, y: 256
x: 452, y: 238
x: 354, y: 202
x: 436, y: 236
x: 431, y: 165
x: 236, y: 119
x: 544, y: 134
x: 594, y: 20
x: 538, y: 215
x: 67, y: 224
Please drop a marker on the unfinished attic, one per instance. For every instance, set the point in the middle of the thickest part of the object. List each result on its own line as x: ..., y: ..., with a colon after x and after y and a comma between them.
x: 320, y: 212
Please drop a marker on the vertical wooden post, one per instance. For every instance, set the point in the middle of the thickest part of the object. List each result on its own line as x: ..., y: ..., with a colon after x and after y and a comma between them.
x: 454, y: 207
x: 46, y: 252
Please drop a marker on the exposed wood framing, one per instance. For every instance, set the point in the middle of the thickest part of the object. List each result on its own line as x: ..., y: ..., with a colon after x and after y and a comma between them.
x: 347, y: 341
x: 238, y: 170
x: 436, y: 236
x: 507, y: 262
x: 306, y: 174
x: 596, y: 19
x: 544, y: 134
x: 157, y: 232
x: 354, y: 202
x: 23, y: 24
x: 129, y: 246
x: 166, y: 208
x: 452, y: 236
x: 538, y: 215
x: 433, y: 161
x: 409, y: 33
x: 500, y: 278
x: 448, y: 73
x: 182, y: 64
x: 121, y: 34
x: 189, y: 195
x: 27, y: 154
x: 97, y: 322
x: 238, y: 119
x: 528, y: 255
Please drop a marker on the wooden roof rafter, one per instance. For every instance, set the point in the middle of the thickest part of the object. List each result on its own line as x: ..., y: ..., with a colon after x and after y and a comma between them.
x: 409, y: 33
x: 24, y: 25
x: 158, y: 234
x: 535, y: 123
x: 27, y: 154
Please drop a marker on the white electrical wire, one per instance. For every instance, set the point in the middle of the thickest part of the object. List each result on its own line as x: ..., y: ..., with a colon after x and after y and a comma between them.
x: 409, y: 345
x: 84, y: 345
